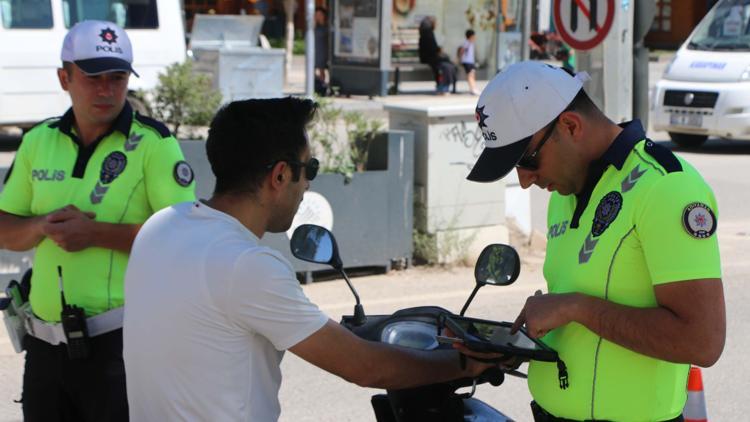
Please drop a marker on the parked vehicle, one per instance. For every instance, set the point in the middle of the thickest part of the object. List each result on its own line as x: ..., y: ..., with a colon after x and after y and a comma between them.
x: 31, y: 36
x: 420, y: 328
x: 705, y: 90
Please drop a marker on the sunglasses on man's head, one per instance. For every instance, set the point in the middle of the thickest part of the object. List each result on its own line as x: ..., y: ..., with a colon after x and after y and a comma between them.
x: 530, y: 161
x: 311, y: 167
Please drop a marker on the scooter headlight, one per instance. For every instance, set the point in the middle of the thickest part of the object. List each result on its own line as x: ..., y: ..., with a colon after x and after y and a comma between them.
x: 413, y: 334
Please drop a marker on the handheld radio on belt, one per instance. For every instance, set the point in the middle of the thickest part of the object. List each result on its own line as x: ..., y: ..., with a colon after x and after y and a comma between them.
x: 74, y: 325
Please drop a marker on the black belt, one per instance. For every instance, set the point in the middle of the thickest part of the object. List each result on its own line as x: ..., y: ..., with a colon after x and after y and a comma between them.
x: 541, y: 415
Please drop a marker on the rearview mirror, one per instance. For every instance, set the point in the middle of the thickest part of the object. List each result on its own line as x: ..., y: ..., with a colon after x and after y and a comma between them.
x: 315, y: 244
x: 498, y: 265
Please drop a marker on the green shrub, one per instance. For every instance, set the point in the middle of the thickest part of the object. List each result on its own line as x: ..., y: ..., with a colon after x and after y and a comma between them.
x: 336, y: 154
x: 298, y: 48
x: 182, y: 97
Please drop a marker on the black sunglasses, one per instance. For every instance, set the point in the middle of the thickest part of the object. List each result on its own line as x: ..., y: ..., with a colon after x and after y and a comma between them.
x: 311, y: 168
x: 529, y: 161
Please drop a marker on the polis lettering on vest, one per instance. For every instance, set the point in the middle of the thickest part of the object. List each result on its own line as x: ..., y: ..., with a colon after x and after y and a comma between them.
x: 556, y: 230
x: 489, y: 136
x: 47, y: 175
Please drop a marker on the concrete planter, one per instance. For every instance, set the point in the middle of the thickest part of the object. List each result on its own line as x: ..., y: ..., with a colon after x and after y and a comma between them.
x: 371, y: 216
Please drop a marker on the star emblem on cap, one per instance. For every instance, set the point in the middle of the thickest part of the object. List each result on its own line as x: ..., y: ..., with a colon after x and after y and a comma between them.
x: 481, y: 117
x: 108, y: 36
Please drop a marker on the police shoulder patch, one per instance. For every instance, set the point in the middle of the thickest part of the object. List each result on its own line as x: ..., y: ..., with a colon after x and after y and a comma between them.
x: 699, y: 220
x: 154, y: 124
x: 183, y: 173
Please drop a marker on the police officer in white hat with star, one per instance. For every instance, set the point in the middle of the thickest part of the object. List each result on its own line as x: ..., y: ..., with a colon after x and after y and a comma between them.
x: 632, y: 263
x: 79, y: 189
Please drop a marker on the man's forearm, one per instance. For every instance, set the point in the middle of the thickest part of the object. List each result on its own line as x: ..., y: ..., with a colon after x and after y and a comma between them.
x: 20, y: 233
x: 657, y: 332
x: 118, y: 237
x: 406, y: 368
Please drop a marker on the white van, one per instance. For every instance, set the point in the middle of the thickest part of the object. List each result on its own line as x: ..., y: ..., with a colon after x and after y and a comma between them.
x: 31, y: 35
x: 705, y: 90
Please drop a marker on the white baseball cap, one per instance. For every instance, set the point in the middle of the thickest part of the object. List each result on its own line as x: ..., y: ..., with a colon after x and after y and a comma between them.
x: 514, y: 105
x: 98, y: 47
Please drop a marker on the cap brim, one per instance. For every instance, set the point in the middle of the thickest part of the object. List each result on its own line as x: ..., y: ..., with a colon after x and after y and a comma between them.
x: 495, y: 163
x: 104, y: 65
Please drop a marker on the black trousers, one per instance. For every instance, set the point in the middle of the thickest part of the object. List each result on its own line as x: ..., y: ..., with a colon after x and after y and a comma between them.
x: 57, y: 389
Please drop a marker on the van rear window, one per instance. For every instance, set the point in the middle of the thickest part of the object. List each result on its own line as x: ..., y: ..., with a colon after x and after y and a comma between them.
x: 26, y: 14
x: 135, y: 14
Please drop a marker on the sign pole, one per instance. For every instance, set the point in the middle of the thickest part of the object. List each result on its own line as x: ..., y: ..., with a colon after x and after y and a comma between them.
x: 526, y: 32
x: 309, y: 48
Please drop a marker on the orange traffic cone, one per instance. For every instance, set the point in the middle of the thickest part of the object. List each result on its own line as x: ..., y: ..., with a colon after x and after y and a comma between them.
x: 695, y: 407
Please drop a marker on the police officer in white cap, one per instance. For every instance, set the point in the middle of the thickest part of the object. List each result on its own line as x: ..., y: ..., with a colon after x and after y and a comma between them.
x: 80, y: 187
x: 632, y: 265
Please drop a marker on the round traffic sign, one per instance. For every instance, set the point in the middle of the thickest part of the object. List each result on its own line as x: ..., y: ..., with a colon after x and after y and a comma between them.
x: 583, y: 24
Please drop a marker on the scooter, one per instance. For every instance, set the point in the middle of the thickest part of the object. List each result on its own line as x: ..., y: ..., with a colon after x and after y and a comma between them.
x: 419, y: 328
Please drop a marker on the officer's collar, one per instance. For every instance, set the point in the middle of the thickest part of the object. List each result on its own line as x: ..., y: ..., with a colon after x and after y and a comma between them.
x: 121, y: 123
x: 632, y: 133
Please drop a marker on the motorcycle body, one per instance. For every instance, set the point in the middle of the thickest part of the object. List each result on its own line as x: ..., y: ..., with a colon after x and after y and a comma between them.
x: 417, y: 328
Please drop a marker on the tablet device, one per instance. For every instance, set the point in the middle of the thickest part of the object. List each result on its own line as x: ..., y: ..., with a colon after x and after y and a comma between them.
x: 492, y: 336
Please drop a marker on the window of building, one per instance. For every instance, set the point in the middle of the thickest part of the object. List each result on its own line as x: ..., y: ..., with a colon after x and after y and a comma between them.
x: 663, y: 19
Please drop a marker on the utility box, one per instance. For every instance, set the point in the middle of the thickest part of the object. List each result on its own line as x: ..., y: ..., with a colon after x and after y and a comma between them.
x: 447, y: 143
x: 225, y: 48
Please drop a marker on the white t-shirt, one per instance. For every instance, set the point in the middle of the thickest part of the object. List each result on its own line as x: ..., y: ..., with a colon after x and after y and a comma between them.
x: 209, y: 313
x: 468, y: 52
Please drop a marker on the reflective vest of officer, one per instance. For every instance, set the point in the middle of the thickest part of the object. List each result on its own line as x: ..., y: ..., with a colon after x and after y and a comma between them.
x: 646, y: 217
x: 134, y: 170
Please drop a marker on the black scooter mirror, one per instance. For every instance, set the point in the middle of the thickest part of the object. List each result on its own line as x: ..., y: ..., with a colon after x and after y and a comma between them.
x: 497, y: 265
x: 316, y: 244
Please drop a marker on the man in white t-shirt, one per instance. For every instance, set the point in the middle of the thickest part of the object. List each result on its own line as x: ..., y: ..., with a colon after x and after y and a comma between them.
x: 210, y: 312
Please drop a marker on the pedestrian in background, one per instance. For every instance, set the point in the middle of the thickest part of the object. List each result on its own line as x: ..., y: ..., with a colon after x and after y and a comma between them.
x: 430, y: 53
x: 321, y: 51
x: 468, y: 60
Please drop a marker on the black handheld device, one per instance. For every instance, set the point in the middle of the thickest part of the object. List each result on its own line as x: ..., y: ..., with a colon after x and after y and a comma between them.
x: 74, y: 325
x: 491, y: 336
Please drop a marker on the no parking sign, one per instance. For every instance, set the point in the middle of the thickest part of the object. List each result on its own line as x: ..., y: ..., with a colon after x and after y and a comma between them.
x: 583, y: 24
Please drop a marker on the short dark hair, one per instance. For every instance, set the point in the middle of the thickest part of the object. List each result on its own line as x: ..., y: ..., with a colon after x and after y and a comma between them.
x: 68, y: 66
x: 582, y: 103
x: 470, y: 33
x: 322, y: 10
x: 247, y: 136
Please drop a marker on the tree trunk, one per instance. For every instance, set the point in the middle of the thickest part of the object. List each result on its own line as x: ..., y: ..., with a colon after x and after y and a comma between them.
x: 289, y: 6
